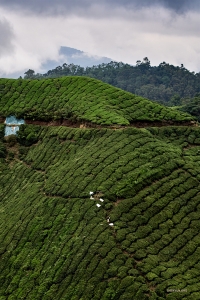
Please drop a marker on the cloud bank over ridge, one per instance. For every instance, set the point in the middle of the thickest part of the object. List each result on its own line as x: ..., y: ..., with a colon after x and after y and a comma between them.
x: 75, y: 6
x: 124, y: 30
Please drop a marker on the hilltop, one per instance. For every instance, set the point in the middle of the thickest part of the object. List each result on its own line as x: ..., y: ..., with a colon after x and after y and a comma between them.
x: 80, y: 99
x: 97, y: 213
x: 165, y: 83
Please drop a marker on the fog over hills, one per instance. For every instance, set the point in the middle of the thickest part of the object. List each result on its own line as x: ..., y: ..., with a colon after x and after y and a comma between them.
x: 77, y: 57
x: 66, y: 55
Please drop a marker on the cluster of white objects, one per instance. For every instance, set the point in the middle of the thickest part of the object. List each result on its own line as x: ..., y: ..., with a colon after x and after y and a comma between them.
x: 99, y: 205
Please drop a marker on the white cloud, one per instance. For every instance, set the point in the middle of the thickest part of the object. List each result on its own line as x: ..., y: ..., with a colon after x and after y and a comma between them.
x: 6, y: 37
x: 158, y: 33
x: 81, y: 7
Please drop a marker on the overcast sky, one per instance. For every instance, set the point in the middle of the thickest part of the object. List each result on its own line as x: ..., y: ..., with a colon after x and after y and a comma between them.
x: 32, y: 31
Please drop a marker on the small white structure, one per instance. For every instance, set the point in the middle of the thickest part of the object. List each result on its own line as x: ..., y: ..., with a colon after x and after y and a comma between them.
x: 111, y: 224
x: 101, y: 200
x: 91, y: 198
x: 98, y: 205
x: 12, y: 125
x: 91, y: 193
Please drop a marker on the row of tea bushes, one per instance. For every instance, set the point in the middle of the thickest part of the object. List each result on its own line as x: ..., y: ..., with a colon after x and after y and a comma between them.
x: 179, y: 136
x: 131, y: 159
x: 56, y: 248
x: 2, y: 146
x: 79, y: 99
x: 55, y: 244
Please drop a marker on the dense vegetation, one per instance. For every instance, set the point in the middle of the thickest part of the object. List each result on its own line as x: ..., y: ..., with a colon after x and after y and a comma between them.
x: 79, y: 99
x: 192, y: 106
x: 165, y: 83
x: 137, y: 237
x: 55, y: 243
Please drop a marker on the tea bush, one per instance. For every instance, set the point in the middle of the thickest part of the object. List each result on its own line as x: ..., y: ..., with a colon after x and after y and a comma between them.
x: 55, y: 243
x: 28, y: 134
x: 2, y: 150
x: 80, y: 99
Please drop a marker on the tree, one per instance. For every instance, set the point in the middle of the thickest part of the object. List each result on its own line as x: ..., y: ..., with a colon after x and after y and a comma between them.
x: 146, y: 61
x: 138, y: 62
x: 144, y: 65
x: 29, y: 74
x: 175, y: 100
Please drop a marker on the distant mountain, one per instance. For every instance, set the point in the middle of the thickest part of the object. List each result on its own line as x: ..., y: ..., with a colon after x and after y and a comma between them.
x: 76, y: 57
x: 67, y: 55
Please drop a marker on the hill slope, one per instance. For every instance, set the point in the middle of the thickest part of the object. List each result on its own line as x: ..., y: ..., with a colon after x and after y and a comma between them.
x: 82, y: 99
x: 165, y: 83
x: 55, y: 243
x: 137, y: 237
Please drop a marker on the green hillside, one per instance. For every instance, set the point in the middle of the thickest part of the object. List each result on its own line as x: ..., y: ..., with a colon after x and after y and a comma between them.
x: 165, y: 83
x: 137, y: 236
x: 79, y: 99
x: 55, y: 243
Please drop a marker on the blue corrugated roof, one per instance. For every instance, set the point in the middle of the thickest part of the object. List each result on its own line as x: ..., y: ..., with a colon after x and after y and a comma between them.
x: 11, y: 130
x: 12, y: 120
x: 12, y: 125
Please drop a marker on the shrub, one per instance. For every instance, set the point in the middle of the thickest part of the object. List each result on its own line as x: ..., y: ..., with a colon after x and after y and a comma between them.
x: 2, y: 150
x: 28, y: 134
x: 11, y: 140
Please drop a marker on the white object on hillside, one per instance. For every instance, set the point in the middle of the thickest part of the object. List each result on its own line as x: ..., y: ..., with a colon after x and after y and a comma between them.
x: 101, y: 199
x: 98, y: 205
x: 91, y: 198
x: 91, y: 193
x: 111, y: 224
x: 13, y: 121
x: 12, y: 125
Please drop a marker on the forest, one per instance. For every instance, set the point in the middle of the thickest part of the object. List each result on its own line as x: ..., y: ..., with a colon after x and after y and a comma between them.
x: 167, y: 84
x: 104, y: 211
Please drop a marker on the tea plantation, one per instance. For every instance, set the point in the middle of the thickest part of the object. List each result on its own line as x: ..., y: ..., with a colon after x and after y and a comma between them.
x: 97, y: 213
x: 79, y: 99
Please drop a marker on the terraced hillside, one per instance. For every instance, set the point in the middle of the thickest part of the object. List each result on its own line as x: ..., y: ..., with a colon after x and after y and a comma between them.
x: 79, y: 99
x: 56, y: 243
x: 135, y: 237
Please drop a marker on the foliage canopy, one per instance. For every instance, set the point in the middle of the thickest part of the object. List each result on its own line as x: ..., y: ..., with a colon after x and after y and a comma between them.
x: 165, y: 83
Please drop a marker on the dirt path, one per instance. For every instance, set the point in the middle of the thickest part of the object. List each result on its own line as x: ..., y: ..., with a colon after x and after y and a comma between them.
x: 137, y: 124
x: 79, y: 124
